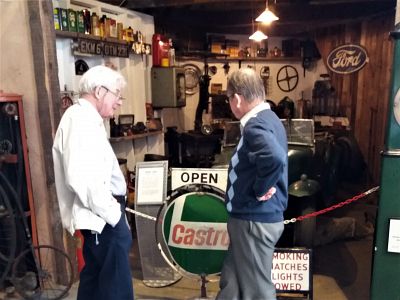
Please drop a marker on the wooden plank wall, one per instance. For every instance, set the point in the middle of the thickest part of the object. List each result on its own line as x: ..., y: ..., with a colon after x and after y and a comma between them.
x: 364, y: 95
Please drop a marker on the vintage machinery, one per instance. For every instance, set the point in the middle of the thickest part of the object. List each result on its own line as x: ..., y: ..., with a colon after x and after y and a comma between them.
x: 315, y: 168
x: 168, y: 87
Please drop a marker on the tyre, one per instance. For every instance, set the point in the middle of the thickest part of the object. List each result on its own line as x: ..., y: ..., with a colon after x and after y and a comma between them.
x: 8, y: 236
x: 42, y: 272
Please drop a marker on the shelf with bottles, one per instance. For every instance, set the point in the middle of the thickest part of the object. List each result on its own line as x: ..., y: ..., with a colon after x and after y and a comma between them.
x: 102, y: 24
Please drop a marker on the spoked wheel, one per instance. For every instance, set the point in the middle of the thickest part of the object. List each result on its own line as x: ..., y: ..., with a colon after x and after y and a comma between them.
x: 35, y: 277
x: 8, y: 234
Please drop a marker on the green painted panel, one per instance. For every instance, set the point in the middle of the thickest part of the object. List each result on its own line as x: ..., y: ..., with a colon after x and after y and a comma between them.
x: 386, y: 265
x: 393, y: 129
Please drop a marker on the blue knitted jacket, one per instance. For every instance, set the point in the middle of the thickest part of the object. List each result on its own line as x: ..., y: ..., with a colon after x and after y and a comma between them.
x: 263, y: 163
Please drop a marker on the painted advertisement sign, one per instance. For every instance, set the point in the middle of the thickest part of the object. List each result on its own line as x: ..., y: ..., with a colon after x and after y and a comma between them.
x: 347, y: 59
x: 194, y: 228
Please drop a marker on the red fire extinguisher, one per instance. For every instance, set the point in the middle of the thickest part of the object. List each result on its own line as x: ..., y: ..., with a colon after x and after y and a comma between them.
x: 79, y: 250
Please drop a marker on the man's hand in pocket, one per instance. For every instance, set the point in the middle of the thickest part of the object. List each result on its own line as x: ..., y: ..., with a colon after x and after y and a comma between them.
x: 267, y: 195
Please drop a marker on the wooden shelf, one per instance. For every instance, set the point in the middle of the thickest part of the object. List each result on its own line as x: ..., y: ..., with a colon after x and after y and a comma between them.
x: 244, y: 59
x: 116, y: 47
x: 134, y: 136
x: 76, y: 35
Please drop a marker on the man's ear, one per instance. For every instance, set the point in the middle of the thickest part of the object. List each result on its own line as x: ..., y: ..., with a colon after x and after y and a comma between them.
x: 98, y: 92
x: 238, y: 100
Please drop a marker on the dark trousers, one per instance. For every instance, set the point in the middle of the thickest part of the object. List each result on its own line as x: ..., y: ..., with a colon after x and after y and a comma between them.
x: 107, y: 273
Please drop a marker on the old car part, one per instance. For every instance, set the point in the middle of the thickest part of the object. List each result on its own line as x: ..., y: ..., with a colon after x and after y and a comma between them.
x: 265, y: 76
x: 206, y: 129
x: 192, y: 76
x: 226, y: 68
x: 303, y: 107
x: 203, y: 99
x: 81, y: 67
x: 213, y: 70
x: 287, y: 78
x: 324, y: 98
x: 285, y: 109
x: 304, y: 187
x: 125, y: 124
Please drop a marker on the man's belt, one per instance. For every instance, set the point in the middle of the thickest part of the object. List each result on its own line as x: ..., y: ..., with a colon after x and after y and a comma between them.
x: 120, y: 199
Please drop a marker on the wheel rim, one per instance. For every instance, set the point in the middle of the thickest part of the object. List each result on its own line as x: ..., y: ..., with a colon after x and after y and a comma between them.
x: 39, y: 275
x: 7, y: 236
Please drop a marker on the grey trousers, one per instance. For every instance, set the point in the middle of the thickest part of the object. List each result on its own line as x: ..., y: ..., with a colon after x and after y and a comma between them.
x: 246, y: 273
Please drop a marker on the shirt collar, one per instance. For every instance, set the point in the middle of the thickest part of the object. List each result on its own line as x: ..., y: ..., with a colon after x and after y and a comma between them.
x: 87, y: 105
x: 253, y: 112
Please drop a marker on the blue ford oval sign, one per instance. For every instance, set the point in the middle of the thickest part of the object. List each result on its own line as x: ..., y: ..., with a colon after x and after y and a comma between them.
x: 347, y: 59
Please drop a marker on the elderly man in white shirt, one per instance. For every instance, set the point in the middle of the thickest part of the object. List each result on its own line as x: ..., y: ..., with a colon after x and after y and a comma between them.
x: 91, y: 188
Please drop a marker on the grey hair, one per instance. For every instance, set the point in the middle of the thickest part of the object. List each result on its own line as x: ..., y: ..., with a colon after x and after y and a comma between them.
x: 247, y: 83
x: 101, y: 76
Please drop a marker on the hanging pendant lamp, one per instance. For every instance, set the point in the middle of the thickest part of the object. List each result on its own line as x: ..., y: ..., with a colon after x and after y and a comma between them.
x: 258, y: 36
x: 267, y: 16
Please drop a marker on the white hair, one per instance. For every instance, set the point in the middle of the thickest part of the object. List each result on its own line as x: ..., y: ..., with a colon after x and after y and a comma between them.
x: 101, y: 76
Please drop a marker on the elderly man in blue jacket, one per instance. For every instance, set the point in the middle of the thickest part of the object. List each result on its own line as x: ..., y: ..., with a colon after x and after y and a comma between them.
x: 256, y: 194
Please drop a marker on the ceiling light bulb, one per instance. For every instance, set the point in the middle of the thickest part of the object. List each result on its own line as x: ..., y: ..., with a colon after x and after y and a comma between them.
x: 258, y: 36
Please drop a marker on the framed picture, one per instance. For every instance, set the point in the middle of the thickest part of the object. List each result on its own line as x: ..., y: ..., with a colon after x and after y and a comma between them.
x: 151, y: 182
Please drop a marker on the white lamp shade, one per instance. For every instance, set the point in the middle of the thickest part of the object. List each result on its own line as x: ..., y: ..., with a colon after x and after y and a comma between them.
x: 267, y: 17
x: 258, y: 36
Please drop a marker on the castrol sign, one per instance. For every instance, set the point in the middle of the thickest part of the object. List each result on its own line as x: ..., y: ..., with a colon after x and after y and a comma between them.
x: 194, y: 229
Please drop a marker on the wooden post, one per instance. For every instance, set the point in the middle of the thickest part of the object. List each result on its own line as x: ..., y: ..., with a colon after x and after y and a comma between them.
x: 48, y: 92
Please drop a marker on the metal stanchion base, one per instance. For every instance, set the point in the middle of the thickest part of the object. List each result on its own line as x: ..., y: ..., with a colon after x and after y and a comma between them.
x: 156, y: 283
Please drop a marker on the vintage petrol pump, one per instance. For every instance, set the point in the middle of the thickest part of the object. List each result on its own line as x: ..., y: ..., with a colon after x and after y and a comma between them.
x: 386, y: 260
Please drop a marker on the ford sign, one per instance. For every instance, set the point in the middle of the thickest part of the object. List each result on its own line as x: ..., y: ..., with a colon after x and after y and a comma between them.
x: 347, y: 59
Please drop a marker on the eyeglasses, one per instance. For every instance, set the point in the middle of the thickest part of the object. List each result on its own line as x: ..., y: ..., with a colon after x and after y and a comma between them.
x: 230, y: 97
x: 118, y: 96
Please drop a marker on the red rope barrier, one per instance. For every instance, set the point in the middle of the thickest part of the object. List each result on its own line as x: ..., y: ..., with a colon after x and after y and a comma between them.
x: 325, y: 210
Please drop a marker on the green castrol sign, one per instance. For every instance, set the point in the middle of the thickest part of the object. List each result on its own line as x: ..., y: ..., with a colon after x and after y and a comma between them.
x: 194, y: 229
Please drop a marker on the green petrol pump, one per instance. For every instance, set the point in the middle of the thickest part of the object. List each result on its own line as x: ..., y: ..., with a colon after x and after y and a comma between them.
x: 385, y: 282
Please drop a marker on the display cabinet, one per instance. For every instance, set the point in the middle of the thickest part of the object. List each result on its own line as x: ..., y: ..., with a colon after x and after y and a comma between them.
x: 14, y: 162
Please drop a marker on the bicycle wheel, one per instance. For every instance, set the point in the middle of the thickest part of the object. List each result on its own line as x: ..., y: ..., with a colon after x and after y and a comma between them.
x: 8, y: 236
x: 35, y: 275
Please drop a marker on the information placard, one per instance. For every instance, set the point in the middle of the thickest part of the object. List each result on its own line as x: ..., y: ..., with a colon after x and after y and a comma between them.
x: 151, y: 179
x: 394, y: 236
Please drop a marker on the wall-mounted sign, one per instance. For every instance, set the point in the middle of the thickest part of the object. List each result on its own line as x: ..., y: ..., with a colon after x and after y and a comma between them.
x: 347, y: 59
x: 100, y: 47
x: 396, y: 108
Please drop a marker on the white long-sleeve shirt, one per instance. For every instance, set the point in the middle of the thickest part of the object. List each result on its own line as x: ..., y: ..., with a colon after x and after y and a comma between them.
x: 86, y: 170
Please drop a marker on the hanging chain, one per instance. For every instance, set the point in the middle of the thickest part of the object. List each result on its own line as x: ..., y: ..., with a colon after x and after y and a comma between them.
x: 325, y: 210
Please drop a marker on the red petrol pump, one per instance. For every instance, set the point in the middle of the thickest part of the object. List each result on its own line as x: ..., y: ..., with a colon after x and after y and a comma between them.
x: 386, y: 252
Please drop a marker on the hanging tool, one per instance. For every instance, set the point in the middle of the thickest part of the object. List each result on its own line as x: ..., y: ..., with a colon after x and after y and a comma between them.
x: 265, y: 76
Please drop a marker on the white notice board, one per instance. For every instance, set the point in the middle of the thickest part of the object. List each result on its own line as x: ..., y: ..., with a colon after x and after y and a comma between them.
x: 151, y: 182
x: 291, y: 270
x: 394, y: 236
